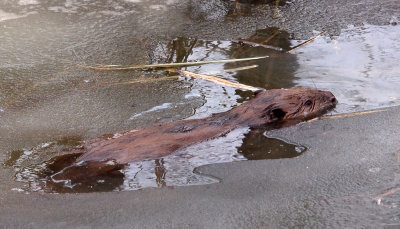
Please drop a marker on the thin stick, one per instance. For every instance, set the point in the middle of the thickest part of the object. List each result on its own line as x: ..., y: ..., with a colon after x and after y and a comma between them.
x: 170, y: 65
x: 147, y: 80
x: 258, y: 44
x: 215, y: 80
x: 271, y: 37
x: 190, y: 50
x: 378, y: 199
x: 241, y: 68
x: 232, y: 69
x: 347, y: 115
x: 277, y: 48
x: 306, y: 42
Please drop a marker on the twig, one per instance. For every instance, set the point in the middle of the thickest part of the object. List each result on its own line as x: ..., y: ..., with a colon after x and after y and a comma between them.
x: 306, y: 42
x: 233, y: 69
x: 170, y: 65
x: 215, y: 80
x: 147, y: 80
x: 190, y: 50
x: 378, y: 199
x: 258, y: 44
x: 277, y: 48
x: 271, y: 37
x: 347, y: 115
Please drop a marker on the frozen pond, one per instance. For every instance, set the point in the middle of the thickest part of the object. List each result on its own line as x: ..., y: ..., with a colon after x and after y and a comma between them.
x: 49, y: 102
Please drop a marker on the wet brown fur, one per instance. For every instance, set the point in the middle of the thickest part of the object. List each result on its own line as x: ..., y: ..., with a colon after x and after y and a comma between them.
x: 157, y: 141
x: 106, y: 154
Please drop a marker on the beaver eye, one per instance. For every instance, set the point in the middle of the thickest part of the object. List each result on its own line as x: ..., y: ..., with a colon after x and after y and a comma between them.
x: 308, y: 103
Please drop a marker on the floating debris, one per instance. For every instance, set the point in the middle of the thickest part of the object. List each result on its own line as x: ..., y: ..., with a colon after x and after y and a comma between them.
x: 170, y: 65
x: 347, y: 115
x: 216, y: 80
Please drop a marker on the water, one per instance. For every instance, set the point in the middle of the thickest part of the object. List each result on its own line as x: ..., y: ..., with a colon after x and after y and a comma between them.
x: 40, y: 175
x: 46, y: 96
x: 49, y: 103
x: 359, y: 67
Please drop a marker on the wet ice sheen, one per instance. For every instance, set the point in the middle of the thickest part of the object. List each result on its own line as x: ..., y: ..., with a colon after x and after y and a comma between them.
x: 156, y: 108
x: 173, y: 170
x: 43, y: 97
x: 360, y: 67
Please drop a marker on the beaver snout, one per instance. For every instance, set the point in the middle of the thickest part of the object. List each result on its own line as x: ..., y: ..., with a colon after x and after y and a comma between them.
x: 330, y: 98
x: 333, y: 100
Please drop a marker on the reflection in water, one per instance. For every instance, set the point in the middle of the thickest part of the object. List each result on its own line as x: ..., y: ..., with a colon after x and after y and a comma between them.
x: 180, y: 49
x: 59, y: 174
x: 274, y: 72
x: 378, y: 73
x: 360, y: 67
x: 257, y: 146
x: 160, y: 172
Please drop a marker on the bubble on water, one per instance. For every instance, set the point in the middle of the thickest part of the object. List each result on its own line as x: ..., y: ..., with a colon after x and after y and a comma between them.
x: 27, y: 2
x: 374, y: 170
x: 17, y: 189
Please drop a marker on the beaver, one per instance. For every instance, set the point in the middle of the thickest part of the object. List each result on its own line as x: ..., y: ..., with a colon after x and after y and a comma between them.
x: 268, y: 107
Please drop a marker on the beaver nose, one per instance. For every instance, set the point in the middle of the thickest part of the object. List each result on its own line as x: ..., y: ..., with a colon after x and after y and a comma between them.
x: 333, y: 100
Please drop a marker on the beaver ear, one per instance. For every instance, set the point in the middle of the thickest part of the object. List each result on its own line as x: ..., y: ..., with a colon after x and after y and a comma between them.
x: 277, y: 114
x: 258, y: 92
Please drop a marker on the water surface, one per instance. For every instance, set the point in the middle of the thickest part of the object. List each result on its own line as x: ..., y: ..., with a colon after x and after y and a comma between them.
x: 47, y: 96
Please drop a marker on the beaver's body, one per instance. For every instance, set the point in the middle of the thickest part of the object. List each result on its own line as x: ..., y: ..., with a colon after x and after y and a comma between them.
x: 267, y: 108
x: 161, y: 140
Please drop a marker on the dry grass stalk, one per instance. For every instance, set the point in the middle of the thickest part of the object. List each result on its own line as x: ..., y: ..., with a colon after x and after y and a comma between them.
x: 232, y: 70
x: 378, y: 199
x: 241, y: 68
x: 347, y: 115
x: 306, y: 42
x: 277, y: 48
x: 170, y: 65
x: 258, y: 44
x: 271, y: 37
x: 215, y: 80
x: 147, y: 80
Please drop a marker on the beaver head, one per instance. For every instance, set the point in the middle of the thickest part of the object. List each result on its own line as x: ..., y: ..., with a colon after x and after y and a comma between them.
x: 288, y: 104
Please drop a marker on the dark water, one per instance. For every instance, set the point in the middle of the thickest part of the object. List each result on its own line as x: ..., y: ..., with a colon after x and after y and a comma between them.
x: 280, y: 70
x: 45, y: 94
x: 59, y: 174
x: 253, y: 145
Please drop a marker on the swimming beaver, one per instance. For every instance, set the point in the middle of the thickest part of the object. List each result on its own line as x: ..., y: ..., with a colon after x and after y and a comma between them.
x: 266, y: 108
